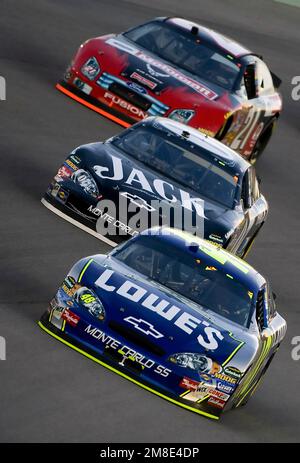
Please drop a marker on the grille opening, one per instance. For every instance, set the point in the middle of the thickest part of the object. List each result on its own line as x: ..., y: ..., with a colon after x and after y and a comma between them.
x: 129, y: 95
x: 117, y: 357
x: 136, y: 338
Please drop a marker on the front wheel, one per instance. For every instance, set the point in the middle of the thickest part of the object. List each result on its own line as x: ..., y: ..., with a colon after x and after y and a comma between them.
x: 256, y: 383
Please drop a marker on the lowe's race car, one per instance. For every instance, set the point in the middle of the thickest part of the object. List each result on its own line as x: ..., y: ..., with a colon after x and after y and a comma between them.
x: 176, y: 315
x: 160, y: 172
x: 175, y: 68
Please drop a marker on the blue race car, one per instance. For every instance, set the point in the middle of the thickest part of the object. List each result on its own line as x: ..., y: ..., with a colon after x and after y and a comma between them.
x: 176, y: 315
x: 159, y: 172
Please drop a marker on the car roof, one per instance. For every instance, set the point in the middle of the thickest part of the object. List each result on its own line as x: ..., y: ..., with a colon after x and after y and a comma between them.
x: 212, y: 37
x: 223, y: 260
x: 229, y: 157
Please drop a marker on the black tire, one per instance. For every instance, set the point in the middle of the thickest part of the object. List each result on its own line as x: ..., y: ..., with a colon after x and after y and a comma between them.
x: 262, y: 142
x: 258, y: 380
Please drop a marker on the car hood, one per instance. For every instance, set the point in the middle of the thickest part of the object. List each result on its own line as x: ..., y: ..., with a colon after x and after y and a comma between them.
x: 158, y: 78
x: 162, y: 317
x: 116, y: 175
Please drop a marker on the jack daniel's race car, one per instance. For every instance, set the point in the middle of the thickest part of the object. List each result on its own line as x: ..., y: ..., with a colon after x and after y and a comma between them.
x: 176, y: 315
x: 178, y: 69
x: 160, y: 172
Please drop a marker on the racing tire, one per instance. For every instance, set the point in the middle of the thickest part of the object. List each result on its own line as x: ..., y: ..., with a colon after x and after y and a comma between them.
x: 259, y: 379
x: 262, y: 142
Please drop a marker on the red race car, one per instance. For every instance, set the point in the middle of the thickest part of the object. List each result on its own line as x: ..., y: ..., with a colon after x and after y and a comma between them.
x: 178, y: 69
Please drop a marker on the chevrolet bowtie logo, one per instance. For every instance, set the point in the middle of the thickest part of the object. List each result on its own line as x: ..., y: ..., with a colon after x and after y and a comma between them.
x: 144, y: 327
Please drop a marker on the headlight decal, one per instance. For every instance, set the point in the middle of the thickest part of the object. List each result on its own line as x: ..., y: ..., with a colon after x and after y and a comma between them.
x: 86, y: 181
x: 197, y: 362
x: 86, y: 298
x: 91, y: 68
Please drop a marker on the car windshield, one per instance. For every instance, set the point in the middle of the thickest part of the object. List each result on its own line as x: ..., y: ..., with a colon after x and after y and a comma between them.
x: 186, y: 51
x: 182, y: 161
x: 188, y: 276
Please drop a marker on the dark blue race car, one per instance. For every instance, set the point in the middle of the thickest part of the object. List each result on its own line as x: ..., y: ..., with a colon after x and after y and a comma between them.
x: 176, y: 315
x: 160, y: 172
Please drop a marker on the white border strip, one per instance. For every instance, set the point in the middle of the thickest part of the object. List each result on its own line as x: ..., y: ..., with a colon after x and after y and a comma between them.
x: 78, y: 224
x: 289, y: 2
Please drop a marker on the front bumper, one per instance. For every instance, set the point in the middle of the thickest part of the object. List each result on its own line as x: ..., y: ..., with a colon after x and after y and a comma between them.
x: 202, y: 408
x: 93, y: 103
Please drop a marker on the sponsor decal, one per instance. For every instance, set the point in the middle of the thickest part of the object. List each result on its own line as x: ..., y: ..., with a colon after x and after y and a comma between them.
x: 216, y: 402
x: 127, y: 352
x: 154, y: 73
x: 86, y: 181
x: 91, y: 68
x: 59, y: 193
x: 208, y: 379
x: 70, y: 317
x: 197, y: 394
x: 105, y: 217
x: 171, y: 72
x: 143, y: 80
x: 233, y: 371
x: 69, y: 286
x: 208, y: 338
x: 137, y: 178
x: 167, y: 71
x: 225, y: 387
x: 88, y: 299
x: 125, y: 105
x: 138, y: 201
x: 219, y: 394
x: 136, y: 88
x: 182, y: 115
x: 210, y: 133
x: 216, y: 238
x: 226, y: 378
x: 75, y: 159
x: 144, y: 326
x: 256, y: 134
x: 63, y: 172
x: 187, y: 383
x: 204, y: 389
x: 85, y: 88
x: 71, y: 165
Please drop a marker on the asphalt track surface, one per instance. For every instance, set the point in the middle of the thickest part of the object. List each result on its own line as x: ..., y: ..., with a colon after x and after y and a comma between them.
x: 49, y: 393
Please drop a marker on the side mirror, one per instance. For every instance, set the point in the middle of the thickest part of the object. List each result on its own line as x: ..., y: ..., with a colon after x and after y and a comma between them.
x: 250, y: 82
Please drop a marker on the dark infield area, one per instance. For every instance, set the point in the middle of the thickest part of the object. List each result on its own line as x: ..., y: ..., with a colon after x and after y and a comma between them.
x: 49, y: 393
